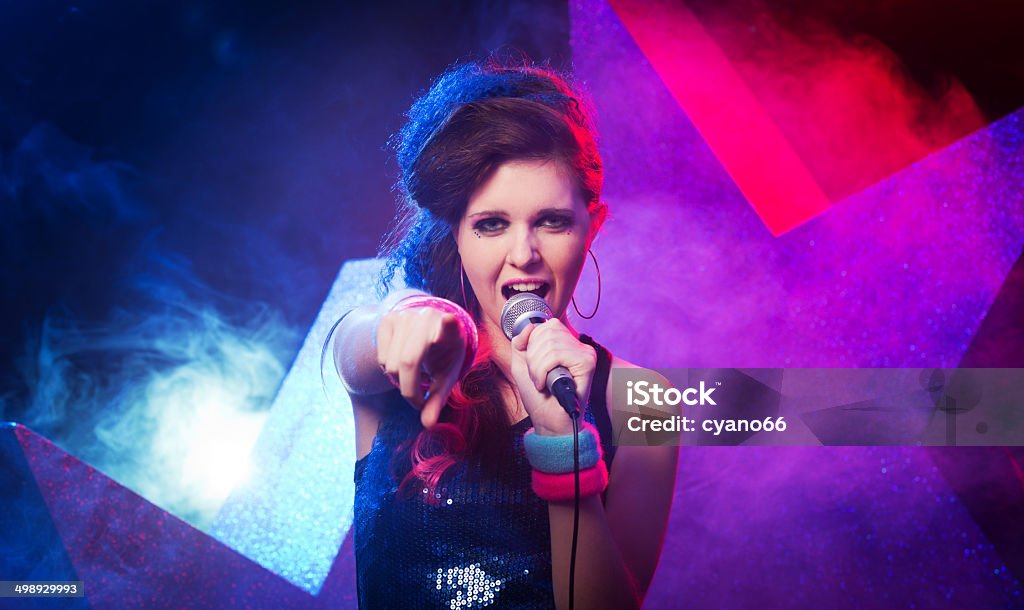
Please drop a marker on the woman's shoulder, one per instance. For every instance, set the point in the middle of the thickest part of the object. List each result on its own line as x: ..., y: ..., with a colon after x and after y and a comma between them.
x: 620, y: 363
x: 624, y: 365
x: 615, y: 361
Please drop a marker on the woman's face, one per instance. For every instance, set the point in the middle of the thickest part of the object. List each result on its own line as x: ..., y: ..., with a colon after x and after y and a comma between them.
x: 525, y: 229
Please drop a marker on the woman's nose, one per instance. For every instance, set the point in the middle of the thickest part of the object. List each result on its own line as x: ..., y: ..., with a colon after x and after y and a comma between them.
x: 524, y: 249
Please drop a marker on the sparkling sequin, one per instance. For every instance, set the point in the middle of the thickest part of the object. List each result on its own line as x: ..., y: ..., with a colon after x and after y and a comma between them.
x: 476, y: 588
x: 481, y: 539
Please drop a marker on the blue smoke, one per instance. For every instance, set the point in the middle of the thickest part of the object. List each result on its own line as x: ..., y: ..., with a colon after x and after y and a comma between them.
x: 166, y: 391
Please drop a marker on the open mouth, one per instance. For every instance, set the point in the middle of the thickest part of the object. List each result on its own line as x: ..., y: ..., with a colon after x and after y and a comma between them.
x: 538, y: 288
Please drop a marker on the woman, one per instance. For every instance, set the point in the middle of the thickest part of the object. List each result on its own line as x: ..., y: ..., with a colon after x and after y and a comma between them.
x: 461, y: 481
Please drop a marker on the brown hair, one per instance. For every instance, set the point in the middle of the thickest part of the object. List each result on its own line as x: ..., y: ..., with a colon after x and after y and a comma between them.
x: 474, y: 118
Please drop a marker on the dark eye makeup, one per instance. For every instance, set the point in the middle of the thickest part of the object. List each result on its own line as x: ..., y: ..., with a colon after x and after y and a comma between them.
x: 557, y: 221
x: 490, y: 225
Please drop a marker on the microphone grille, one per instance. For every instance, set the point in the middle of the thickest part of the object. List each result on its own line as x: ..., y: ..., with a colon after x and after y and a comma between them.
x: 520, y: 306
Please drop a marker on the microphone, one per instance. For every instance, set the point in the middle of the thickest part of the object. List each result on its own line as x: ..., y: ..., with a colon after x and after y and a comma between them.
x: 522, y: 310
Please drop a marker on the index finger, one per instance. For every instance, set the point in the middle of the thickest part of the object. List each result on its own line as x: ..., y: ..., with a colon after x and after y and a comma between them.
x: 520, y: 341
x: 437, y: 397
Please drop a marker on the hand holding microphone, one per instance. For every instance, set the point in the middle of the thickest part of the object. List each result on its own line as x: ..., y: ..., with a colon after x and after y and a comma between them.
x: 555, y: 360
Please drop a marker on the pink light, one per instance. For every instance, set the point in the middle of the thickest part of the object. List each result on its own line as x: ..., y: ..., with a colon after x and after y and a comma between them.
x: 732, y: 122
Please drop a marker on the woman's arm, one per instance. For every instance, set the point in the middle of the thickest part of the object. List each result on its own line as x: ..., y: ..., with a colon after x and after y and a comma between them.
x: 603, y: 579
x: 641, y: 485
x: 418, y: 346
x: 355, y: 360
x: 355, y: 347
x: 620, y: 540
x: 355, y: 354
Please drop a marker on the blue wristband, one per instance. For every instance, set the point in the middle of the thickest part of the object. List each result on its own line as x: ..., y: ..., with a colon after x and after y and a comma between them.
x: 553, y: 454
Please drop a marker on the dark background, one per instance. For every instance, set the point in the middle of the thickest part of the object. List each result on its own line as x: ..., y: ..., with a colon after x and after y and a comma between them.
x: 228, y: 153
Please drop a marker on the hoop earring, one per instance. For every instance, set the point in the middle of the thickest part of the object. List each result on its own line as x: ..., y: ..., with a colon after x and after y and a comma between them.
x: 462, y: 284
x: 593, y: 313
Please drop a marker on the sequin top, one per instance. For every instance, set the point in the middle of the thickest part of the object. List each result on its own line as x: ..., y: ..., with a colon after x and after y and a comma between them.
x: 483, y: 540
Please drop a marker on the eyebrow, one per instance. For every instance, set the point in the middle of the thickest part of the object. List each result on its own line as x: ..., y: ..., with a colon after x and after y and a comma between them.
x: 540, y: 212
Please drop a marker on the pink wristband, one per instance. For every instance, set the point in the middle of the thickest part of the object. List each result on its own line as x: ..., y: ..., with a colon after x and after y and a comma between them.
x: 466, y: 323
x: 554, y: 487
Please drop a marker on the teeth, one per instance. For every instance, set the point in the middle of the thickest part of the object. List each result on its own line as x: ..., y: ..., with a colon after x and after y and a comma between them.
x: 526, y: 286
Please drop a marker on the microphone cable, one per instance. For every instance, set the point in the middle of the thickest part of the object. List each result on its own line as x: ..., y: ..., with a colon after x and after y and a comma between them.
x: 576, y: 503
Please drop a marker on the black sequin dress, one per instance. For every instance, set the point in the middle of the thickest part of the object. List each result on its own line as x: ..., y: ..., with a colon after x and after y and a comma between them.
x: 482, y: 540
